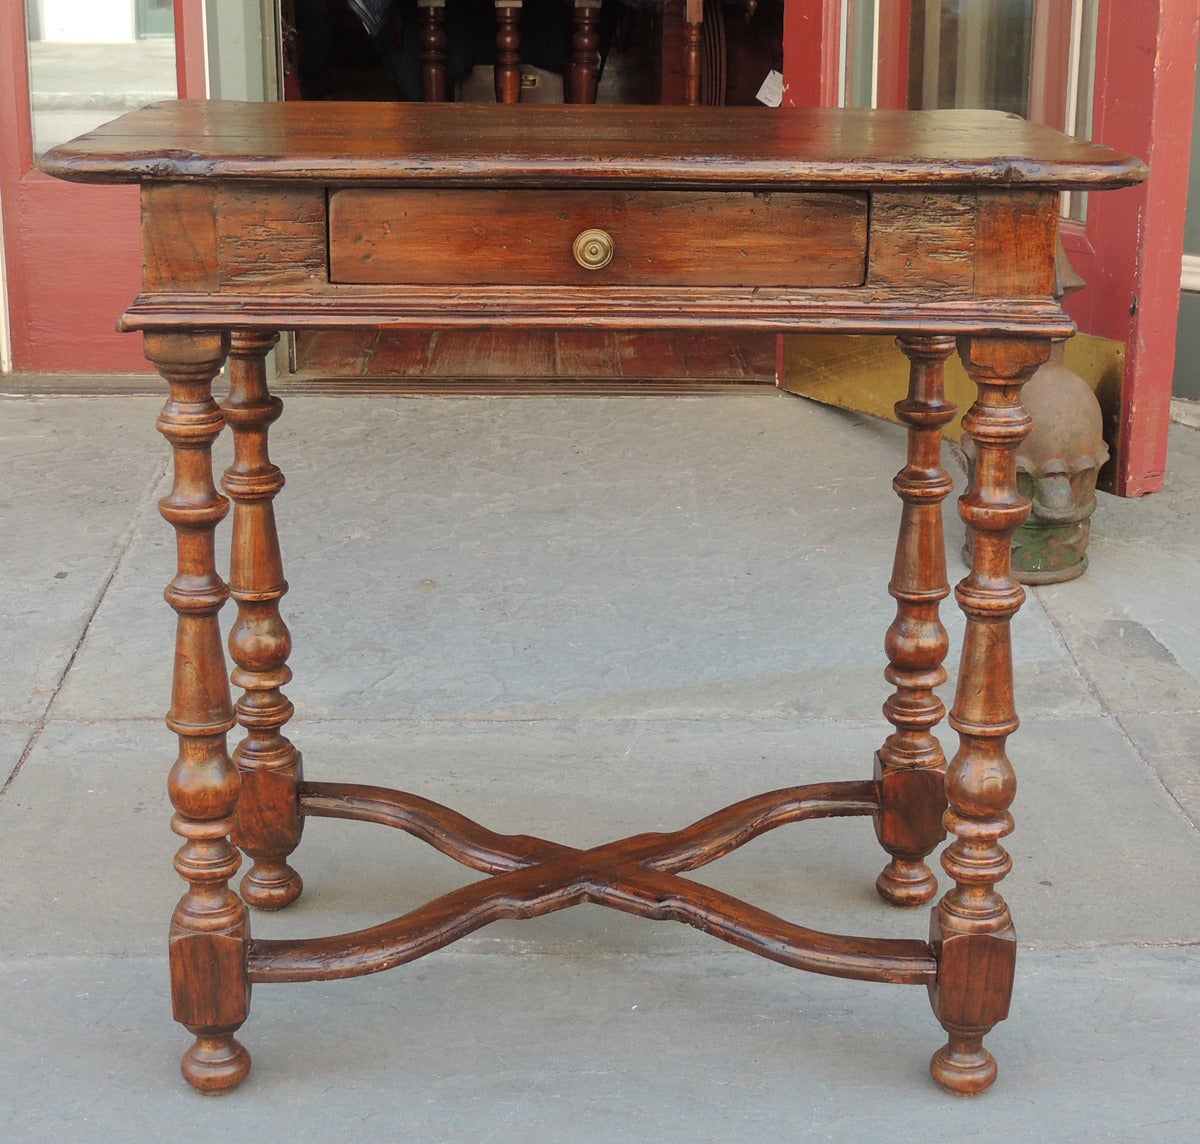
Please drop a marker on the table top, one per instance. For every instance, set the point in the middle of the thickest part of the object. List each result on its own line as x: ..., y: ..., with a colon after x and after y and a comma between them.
x: 584, y: 146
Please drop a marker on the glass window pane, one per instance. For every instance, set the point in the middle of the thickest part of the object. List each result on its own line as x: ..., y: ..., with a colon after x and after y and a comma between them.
x: 860, y: 70
x: 91, y: 60
x: 1034, y: 58
x: 972, y: 53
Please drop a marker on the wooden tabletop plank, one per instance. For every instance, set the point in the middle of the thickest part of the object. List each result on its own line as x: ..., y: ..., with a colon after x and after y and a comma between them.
x: 545, y: 145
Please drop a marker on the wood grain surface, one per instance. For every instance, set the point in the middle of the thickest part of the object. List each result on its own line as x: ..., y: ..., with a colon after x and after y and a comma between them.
x: 582, y: 146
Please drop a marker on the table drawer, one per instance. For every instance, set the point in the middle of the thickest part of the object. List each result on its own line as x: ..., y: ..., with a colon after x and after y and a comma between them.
x: 654, y: 238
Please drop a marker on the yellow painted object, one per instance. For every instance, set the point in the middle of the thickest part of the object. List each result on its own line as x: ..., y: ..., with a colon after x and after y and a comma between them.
x: 868, y: 374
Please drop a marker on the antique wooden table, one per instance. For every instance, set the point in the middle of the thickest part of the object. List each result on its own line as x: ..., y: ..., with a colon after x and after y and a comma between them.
x: 937, y: 226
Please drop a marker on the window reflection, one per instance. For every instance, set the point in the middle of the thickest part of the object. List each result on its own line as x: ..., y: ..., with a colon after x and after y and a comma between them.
x: 972, y: 53
x: 91, y: 60
x: 1033, y: 58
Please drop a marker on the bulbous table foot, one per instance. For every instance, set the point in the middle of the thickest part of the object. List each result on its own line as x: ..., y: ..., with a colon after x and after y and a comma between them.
x: 271, y: 887
x: 963, y: 1066
x: 214, y: 1065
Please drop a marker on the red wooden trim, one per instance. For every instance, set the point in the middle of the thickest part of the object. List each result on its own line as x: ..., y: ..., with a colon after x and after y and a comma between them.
x: 811, y: 42
x: 895, y: 24
x: 16, y: 132
x: 191, y: 56
x: 16, y: 160
x: 1145, y: 84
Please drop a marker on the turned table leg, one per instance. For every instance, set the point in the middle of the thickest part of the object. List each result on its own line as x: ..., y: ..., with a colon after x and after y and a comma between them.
x: 268, y: 818
x: 971, y: 928
x: 910, y: 767
x: 209, y: 929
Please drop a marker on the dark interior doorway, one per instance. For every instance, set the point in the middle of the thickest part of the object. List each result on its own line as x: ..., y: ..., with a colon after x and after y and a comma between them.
x: 329, y: 54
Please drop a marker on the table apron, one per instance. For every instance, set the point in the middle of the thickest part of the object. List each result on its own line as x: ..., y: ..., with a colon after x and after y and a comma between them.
x: 843, y: 311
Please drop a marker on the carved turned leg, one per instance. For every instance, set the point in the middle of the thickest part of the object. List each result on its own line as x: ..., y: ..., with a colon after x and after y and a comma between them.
x: 431, y: 36
x: 268, y: 819
x: 209, y: 929
x: 971, y: 928
x: 693, y: 20
x: 582, y: 78
x: 507, y: 70
x: 910, y: 767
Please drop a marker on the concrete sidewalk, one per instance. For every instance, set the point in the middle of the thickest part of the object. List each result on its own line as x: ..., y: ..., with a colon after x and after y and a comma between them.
x: 583, y: 618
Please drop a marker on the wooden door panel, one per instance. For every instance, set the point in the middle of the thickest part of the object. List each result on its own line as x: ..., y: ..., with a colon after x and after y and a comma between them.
x: 73, y: 253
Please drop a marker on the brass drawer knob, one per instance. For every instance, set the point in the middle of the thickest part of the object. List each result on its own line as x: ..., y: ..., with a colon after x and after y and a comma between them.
x: 593, y: 249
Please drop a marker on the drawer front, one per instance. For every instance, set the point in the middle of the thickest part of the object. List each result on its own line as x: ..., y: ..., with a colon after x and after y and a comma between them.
x: 395, y: 236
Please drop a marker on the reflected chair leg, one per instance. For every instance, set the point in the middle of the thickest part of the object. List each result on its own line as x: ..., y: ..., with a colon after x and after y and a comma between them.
x: 431, y: 36
x: 692, y: 27
x: 971, y: 929
x: 506, y: 72
x: 269, y: 822
x: 910, y: 766
x: 581, y: 80
x: 209, y: 929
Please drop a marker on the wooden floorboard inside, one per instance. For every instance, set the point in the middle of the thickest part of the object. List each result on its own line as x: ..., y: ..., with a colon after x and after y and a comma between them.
x: 530, y: 361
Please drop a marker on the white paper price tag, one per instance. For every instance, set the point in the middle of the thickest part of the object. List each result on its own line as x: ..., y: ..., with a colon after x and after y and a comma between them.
x: 771, y: 92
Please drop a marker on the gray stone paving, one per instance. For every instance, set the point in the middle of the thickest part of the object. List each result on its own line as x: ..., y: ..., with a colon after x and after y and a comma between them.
x: 549, y: 613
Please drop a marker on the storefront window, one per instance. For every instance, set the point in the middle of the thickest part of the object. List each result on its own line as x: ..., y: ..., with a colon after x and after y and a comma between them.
x: 91, y: 60
x: 1034, y: 58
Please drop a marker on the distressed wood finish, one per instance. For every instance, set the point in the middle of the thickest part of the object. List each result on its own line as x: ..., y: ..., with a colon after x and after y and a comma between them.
x: 471, y: 145
x: 270, y: 241
x: 934, y: 226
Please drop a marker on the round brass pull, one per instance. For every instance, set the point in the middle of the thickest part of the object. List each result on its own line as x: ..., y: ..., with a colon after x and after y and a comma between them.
x: 593, y: 249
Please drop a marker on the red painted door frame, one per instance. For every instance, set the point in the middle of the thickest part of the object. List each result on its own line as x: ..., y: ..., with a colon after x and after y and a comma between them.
x: 73, y: 253
x: 812, y: 52
x: 191, y: 53
x: 1130, y: 249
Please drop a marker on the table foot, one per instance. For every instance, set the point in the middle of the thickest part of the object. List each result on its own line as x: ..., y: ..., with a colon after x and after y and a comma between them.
x: 270, y: 885
x: 906, y: 883
x: 963, y: 1066
x: 215, y: 1063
